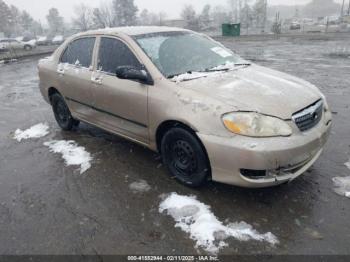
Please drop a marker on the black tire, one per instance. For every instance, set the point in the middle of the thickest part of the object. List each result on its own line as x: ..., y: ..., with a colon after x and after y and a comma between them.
x: 62, y: 114
x: 184, y: 157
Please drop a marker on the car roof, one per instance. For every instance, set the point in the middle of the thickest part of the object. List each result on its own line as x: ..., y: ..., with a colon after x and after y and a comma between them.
x: 134, y: 30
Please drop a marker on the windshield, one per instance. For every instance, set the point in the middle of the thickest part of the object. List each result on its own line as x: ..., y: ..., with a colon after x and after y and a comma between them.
x: 176, y: 53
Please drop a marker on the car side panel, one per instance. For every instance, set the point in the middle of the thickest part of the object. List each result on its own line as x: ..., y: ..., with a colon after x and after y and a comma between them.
x: 121, y: 105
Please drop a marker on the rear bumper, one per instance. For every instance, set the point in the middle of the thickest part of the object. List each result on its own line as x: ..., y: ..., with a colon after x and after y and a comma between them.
x: 283, y: 158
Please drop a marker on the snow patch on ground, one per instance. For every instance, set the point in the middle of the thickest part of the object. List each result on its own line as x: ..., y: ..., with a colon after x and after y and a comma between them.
x: 37, y: 131
x: 342, y: 186
x: 196, y: 218
x: 140, y: 186
x: 72, y: 154
x: 347, y: 164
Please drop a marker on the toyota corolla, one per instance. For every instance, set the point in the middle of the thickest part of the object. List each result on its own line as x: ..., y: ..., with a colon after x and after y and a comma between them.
x: 211, y: 114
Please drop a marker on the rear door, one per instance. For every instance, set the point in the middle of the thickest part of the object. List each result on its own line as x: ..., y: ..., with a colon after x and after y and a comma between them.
x: 121, y: 105
x: 74, y: 72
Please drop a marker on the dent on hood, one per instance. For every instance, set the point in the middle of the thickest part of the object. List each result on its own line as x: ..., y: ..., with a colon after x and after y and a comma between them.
x: 258, y: 89
x: 198, y: 103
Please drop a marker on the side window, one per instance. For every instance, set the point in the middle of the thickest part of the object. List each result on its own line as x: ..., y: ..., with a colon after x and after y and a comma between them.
x: 114, y: 53
x: 79, y: 52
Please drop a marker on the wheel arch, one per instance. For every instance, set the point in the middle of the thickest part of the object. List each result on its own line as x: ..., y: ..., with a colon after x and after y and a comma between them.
x: 169, y: 124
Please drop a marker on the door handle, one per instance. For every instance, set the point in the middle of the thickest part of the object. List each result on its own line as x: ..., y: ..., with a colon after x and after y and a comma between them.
x: 96, y: 80
x: 60, y: 71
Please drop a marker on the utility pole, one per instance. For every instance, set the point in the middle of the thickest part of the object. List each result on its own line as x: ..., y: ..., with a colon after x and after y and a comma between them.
x: 342, y: 10
x: 265, y: 15
x: 349, y: 8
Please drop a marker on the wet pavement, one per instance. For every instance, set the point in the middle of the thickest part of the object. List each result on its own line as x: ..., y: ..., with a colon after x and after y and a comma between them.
x: 48, y: 208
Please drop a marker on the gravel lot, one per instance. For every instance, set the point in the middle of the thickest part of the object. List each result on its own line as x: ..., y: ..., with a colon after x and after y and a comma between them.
x: 112, y: 208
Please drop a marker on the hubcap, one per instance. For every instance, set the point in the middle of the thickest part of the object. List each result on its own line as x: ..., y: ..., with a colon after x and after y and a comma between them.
x: 184, y: 160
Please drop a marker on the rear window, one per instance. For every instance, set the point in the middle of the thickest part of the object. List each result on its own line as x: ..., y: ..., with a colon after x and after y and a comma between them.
x: 79, y: 52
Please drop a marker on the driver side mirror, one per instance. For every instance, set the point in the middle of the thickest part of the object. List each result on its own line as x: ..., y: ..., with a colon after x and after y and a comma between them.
x: 133, y: 73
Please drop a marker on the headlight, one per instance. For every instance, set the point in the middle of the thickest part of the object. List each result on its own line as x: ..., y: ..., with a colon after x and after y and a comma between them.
x: 256, y: 125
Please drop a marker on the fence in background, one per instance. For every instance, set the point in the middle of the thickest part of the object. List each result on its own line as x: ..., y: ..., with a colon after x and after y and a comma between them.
x: 14, y: 54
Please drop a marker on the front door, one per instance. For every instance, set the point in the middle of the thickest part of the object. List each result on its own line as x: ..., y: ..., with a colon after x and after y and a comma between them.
x: 121, y: 105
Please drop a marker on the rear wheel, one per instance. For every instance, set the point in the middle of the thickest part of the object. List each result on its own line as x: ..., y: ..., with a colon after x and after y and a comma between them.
x: 184, y: 157
x: 62, y: 114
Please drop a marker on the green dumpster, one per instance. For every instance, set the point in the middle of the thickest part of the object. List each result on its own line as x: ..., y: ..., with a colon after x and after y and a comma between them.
x: 231, y: 29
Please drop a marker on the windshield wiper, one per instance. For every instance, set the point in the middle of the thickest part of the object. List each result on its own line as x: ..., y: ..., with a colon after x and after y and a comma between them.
x: 216, y: 70
x: 243, y: 64
x: 175, y: 75
x: 222, y: 68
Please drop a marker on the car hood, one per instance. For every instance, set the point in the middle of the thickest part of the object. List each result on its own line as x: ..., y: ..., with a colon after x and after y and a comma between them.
x: 259, y: 89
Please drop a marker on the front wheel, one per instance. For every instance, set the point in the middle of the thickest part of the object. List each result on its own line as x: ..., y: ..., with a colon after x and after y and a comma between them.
x: 184, y: 157
x: 62, y: 114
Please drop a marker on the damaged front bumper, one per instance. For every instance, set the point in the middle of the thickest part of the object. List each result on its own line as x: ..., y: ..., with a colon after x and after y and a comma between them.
x: 264, y: 162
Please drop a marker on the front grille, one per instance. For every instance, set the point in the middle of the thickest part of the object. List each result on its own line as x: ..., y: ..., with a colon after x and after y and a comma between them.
x: 309, y: 117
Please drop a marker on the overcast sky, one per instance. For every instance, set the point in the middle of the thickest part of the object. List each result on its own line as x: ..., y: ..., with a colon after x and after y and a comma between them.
x: 39, y: 8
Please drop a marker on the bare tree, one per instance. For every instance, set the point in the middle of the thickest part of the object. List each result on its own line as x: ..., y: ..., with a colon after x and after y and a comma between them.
x: 246, y: 15
x: 55, y: 21
x: 204, y: 18
x: 83, y: 19
x: 103, y: 16
x: 220, y: 15
x: 235, y: 10
x: 98, y: 19
x: 144, y: 17
x: 125, y: 12
x: 260, y: 14
x: 189, y: 15
x: 149, y: 18
x: 16, y: 20
x: 26, y: 21
x: 6, y: 19
x: 161, y: 18
x: 277, y: 25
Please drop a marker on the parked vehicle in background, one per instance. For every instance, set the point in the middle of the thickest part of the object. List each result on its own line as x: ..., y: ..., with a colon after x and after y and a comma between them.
x: 57, y: 40
x: 31, y: 43
x: 13, y: 44
x: 2, y: 48
x: 21, y: 39
x: 43, y: 40
x: 27, y: 40
x: 209, y: 113
x: 295, y: 26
